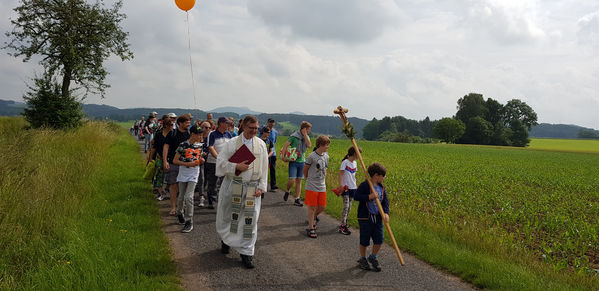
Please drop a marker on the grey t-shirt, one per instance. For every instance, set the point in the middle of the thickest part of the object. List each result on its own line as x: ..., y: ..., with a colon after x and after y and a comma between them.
x: 316, y: 172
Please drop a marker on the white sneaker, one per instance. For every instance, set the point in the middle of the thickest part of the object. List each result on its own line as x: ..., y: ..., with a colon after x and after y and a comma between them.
x: 202, y: 201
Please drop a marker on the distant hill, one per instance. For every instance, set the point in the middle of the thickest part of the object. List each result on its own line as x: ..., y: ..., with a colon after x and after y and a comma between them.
x: 546, y: 130
x: 238, y: 110
x: 328, y: 125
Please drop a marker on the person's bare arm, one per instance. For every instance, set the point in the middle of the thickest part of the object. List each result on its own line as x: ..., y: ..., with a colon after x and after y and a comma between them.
x: 306, y: 168
x: 164, y: 154
x: 284, y: 150
x: 306, y: 138
x: 213, y: 152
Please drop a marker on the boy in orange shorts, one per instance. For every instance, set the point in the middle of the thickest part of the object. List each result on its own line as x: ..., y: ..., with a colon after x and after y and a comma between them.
x: 315, y: 171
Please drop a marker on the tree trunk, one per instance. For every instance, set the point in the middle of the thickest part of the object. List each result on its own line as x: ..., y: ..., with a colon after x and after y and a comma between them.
x: 66, y: 82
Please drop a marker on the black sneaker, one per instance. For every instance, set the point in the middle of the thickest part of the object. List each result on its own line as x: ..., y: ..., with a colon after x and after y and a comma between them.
x: 188, y: 227
x: 247, y: 261
x: 363, y: 264
x: 181, y: 219
x: 375, y: 264
x: 344, y: 230
x: 298, y: 203
x: 273, y: 188
x: 224, y: 248
x: 286, y: 196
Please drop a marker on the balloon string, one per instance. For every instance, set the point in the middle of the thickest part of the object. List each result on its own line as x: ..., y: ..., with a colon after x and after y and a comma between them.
x: 193, y: 83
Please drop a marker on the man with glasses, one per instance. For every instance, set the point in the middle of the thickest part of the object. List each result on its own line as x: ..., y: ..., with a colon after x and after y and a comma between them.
x: 239, y: 197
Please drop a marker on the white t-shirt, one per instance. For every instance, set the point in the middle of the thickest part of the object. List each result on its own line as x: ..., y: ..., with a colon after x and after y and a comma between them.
x: 349, y: 173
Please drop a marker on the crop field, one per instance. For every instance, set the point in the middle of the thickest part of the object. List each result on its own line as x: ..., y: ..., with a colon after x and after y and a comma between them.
x: 537, y: 206
x: 567, y: 145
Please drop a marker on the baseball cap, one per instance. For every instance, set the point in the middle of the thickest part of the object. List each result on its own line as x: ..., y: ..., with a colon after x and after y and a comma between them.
x: 271, y: 120
x: 196, y: 129
x: 172, y: 115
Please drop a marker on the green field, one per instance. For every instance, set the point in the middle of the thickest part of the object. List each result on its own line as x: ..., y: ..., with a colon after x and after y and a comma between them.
x: 75, y: 213
x: 566, y: 145
x: 502, y: 218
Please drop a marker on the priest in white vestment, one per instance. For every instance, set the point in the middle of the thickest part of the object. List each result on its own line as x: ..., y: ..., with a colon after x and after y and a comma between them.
x: 239, y: 198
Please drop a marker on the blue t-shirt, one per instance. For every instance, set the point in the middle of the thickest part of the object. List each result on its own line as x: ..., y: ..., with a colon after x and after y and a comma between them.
x: 273, y: 138
x: 372, y: 208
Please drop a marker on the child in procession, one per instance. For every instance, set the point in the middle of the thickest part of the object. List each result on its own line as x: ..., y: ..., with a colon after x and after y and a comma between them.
x: 369, y: 218
x: 347, y: 186
x: 189, y: 157
x: 315, y: 170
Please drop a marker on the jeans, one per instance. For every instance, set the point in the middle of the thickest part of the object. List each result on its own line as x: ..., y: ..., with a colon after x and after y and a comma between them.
x: 186, y: 196
x: 272, y: 164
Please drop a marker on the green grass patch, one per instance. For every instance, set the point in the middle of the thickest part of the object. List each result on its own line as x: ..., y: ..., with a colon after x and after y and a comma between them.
x: 499, y: 217
x: 565, y: 145
x: 74, y: 213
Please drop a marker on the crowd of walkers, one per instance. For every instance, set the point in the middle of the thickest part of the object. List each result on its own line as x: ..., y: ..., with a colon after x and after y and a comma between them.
x: 228, y: 165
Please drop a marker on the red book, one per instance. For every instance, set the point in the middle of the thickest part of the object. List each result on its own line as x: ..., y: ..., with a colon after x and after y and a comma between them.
x: 242, y: 154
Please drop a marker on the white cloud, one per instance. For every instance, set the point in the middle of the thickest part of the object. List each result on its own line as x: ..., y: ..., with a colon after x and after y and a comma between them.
x: 350, y: 21
x: 588, y: 29
x: 505, y: 21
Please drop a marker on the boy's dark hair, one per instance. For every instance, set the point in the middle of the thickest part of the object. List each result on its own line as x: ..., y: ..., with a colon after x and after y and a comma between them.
x: 350, y: 152
x: 376, y: 168
x: 322, y: 140
x: 183, y: 118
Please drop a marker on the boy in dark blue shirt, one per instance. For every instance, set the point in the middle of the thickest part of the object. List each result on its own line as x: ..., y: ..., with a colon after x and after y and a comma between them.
x: 369, y: 218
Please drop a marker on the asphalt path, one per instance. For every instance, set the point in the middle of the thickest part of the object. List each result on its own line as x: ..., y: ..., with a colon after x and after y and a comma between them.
x: 286, y: 259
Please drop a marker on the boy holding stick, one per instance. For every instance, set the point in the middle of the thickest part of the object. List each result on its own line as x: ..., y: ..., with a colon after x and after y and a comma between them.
x: 369, y: 218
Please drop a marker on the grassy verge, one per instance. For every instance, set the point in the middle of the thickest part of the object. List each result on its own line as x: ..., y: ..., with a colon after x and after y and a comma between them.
x: 74, y: 213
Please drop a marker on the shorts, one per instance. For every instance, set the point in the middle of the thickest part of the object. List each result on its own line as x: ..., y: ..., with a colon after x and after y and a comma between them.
x: 296, y: 170
x: 350, y: 192
x: 314, y: 198
x: 369, y: 229
x: 171, y: 174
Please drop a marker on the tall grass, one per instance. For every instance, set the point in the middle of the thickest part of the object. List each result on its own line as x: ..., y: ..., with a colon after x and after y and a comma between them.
x: 74, y: 213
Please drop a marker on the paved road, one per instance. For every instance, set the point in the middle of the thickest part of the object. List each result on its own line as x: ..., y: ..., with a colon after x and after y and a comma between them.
x: 286, y: 259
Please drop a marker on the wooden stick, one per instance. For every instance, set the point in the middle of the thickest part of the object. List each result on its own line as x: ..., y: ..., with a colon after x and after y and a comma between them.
x: 341, y: 111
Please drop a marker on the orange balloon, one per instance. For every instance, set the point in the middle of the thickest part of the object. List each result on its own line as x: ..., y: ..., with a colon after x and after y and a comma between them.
x: 185, y: 5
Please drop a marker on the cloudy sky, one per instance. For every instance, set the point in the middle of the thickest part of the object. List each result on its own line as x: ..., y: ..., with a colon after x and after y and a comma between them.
x: 378, y: 57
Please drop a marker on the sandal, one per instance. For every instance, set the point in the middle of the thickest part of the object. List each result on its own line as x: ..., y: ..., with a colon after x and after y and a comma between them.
x: 311, y: 233
x: 173, y: 212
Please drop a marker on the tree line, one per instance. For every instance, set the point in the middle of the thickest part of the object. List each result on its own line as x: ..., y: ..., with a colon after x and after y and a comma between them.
x: 477, y: 121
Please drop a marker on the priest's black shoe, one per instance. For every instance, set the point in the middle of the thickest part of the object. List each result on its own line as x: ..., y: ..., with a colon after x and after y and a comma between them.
x: 247, y: 261
x: 224, y: 248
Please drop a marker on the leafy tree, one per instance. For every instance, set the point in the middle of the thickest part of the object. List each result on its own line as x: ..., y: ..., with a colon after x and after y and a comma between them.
x: 494, y: 111
x: 518, y: 110
x: 449, y: 130
x: 48, y: 108
x: 371, y: 130
x: 519, y: 136
x: 471, y: 105
x: 587, y: 133
x: 478, y: 131
x: 501, y: 135
x: 73, y: 38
